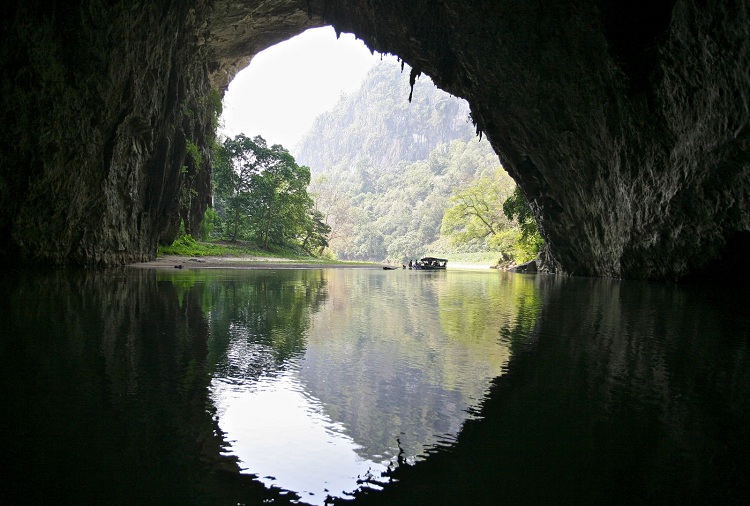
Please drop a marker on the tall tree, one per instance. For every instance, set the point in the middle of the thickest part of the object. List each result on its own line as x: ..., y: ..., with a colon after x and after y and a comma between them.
x: 333, y: 201
x: 315, y: 233
x: 263, y: 194
x: 517, y: 208
x: 236, y: 161
x: 477, y: 209
x: 281, y: 201
x: 491, y: 212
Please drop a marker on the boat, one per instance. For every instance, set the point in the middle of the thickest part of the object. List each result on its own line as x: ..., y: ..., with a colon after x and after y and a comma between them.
x: 389, y: 268
x: 431, y: 264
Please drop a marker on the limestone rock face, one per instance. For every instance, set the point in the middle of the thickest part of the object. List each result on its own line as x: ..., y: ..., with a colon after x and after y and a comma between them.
x: 240, y: 29
x: 100, y: 104
x: 625, y: 123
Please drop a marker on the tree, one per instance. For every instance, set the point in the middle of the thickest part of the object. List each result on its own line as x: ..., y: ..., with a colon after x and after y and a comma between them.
x: 316, y: 233
x: 476, y: 212
x: 264, y: 193
x: 334, y: 204
x: 236, y: 162
x: 517, y: 208
x: 492, y: 213
x: 281, y: 202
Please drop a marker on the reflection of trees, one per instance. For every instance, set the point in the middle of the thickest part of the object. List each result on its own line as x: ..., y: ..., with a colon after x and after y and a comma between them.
x: 624, y: 393
x: 405, y: 354
x: 616, y: 392
x: 258, y: 319
x: 474, y: 306
x: 105, y: 394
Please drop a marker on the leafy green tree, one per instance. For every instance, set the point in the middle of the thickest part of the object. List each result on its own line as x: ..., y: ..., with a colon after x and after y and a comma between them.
x: 280, y: 199
x: 517, y: 208
x: 236, y: 162
x: 476, y: 211
x: 315, y: 233
x: 333, y: 201
x: 262, y: 193
x: 208, y: 225
x: 492, y: 213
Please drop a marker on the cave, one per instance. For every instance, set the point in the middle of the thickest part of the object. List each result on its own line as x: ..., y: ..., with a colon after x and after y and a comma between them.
x: 624, y: 123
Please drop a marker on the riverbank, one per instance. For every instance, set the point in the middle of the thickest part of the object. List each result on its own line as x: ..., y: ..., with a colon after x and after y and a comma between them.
x: 245, y: 262
x: 267, y: 262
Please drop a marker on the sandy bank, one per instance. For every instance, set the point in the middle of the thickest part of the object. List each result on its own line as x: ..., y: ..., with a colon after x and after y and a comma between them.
x: 219, y: 262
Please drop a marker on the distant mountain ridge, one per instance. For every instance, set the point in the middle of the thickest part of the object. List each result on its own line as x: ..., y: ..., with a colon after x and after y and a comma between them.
x: 378, y: 127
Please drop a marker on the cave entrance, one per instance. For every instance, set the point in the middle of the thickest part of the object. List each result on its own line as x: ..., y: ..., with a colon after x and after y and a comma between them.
x: 383, y: 168
x: 288, y: 84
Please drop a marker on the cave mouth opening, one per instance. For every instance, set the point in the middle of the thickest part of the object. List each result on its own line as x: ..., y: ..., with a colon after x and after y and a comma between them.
x: 291, y: 84
x: 287, y: 85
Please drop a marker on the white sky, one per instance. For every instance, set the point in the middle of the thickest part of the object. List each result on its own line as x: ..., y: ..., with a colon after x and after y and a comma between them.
x: 286, y: 86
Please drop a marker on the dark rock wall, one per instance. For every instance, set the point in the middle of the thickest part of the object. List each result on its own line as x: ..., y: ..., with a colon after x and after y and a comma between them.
x: 99, y: 103
x: 625, y: 123
x: 240, y: 29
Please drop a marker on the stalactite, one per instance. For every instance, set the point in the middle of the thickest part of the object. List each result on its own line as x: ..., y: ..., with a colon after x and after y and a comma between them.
x: 413, y: 75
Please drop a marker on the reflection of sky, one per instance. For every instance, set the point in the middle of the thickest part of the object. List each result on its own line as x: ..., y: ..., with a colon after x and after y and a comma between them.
x: 384, y: 367
x: 277, y: 430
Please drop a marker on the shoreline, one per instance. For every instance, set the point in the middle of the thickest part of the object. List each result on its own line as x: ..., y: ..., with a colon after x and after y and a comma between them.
x: 246, y: 262
x: 256, y: 262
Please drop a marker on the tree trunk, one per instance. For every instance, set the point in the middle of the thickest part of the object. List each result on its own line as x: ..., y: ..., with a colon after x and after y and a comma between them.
x: 268, y: 225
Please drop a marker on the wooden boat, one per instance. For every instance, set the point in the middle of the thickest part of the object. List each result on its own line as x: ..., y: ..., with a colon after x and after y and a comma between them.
x: 389, y: 268
x: 430, y: 264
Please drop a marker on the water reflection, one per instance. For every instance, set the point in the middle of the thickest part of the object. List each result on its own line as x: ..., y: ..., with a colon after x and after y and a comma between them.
x: 105, y: 394
x: 617, y: 393
x: 387, y: 367
x: 389, y: 357
x: 137, y: 387
x: 280, y: 431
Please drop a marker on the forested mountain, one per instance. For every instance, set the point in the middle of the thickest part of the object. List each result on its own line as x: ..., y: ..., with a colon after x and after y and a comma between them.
x: 385, y: 171
x: 379, y: 127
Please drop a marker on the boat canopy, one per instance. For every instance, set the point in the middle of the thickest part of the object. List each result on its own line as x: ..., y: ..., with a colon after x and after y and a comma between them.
x: 433, y: 259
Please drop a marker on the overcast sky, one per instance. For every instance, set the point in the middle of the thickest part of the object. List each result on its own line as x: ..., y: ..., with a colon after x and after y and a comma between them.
x: 286, y: 86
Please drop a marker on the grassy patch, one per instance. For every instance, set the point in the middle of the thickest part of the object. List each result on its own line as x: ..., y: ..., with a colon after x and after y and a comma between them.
x: 187, y: 246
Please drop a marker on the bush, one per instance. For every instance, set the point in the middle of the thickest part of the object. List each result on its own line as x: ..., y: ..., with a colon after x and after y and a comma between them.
x: 208, y: 225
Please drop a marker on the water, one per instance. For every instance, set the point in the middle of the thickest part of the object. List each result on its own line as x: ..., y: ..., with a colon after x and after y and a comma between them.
x: 394, y: 387
x: 382, y: 364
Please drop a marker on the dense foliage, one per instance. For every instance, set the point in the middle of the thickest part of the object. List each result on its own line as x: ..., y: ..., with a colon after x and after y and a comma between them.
x: 516, y: 208
x: 260, y: 195
x: 396, y: 215
x: 395, y: 180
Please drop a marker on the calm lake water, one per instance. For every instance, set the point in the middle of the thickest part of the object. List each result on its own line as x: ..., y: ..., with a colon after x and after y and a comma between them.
x: 391, y: 387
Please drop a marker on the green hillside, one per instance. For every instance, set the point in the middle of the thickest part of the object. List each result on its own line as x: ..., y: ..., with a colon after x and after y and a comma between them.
x: 389, y: 175
x: 378, y: 127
